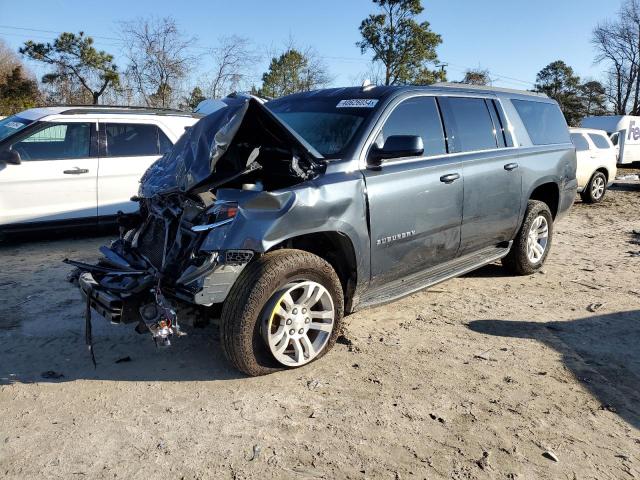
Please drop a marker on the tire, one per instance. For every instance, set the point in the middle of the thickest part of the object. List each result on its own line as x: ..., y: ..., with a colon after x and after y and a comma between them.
x: 246, y: 322
x: 596, y: 188
x: 518, y: 260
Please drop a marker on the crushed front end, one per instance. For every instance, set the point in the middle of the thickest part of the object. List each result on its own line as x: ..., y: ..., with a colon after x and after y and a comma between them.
x: 151, y: 269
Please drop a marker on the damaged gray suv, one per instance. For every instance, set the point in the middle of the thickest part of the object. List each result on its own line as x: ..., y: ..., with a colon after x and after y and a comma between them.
x: 278, y: 219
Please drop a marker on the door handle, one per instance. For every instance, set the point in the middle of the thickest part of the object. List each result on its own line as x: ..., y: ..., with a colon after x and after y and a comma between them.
x: 450, y: 177
x: 511, y: 166
x: 76, y: 171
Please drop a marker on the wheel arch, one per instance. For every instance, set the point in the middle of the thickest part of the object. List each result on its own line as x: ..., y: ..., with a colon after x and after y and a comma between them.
x: 549, y: 193
x: 604, y: 170
x: 337, y: 249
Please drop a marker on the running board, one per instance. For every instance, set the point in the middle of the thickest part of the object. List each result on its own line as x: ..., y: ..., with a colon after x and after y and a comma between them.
x: 427, y: 278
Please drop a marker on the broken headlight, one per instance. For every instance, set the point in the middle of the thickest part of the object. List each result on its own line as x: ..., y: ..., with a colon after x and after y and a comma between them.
x: 220, y: 214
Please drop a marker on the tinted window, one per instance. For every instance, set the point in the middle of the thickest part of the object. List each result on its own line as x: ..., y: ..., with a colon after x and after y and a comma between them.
x: 57, y: 141
x: 327, y: 124
x: 164, y: 142
x: 417, y: 116
x: 599, y: 141
x: 131, y: 140
x: 614, y: 138
x: 544, y: 122
x: 468, y: 124
x: 580, y: 142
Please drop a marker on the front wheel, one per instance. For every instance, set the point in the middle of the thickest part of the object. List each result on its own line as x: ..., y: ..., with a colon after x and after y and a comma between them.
x: 595, y: 190
x: 284, y: 311
x: 531, y: 247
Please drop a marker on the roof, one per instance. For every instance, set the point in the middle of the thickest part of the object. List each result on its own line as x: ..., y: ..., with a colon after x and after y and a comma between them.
x: 38, y: 113
x: 587, y: 130
x: 381, y: 92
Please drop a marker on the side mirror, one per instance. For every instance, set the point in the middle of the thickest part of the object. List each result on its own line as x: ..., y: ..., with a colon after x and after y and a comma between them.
x: 10, y: 156
x: 396, y: 146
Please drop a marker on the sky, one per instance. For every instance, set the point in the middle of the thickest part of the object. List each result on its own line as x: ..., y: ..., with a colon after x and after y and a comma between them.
x: 513, y: 39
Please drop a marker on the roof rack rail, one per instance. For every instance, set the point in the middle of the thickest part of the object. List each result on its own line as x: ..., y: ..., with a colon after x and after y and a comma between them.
x: 132, y: 107
x: 466, y: 86
x: 76, y: 109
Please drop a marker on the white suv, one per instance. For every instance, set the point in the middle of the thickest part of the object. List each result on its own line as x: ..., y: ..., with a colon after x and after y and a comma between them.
x: 597, y: 158
x: 79, y: 164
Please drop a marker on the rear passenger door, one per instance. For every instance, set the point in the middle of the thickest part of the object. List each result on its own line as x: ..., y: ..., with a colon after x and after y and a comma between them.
x: 477, y: 131
x: 127, y: 150
x: 415, y: 203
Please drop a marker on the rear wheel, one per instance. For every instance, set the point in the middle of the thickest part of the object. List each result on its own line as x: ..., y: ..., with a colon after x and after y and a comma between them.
x: 283, y: 312
x: 595, y: 189
x: 531, y: 247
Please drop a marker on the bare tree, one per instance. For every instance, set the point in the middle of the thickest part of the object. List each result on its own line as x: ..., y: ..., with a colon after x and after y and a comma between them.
x: 618, y: 46
x: 8, y: 59
x: 159, y: 58
x: 233, y: 60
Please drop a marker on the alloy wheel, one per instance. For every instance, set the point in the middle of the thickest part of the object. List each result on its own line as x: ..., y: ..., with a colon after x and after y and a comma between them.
x: 537, y: 239
x: 597, y: 187
x: 298, y: 327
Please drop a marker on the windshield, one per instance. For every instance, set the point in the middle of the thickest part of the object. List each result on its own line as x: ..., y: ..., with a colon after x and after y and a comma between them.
x: 11, y: 125
x: 328, y: 124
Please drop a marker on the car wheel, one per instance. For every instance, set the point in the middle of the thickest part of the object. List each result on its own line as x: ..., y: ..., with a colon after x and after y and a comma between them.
x: 595, y: 189
x: 531, y: 247
x: 284, y: 311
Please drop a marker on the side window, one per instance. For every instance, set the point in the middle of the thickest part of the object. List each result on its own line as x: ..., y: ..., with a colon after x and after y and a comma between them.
x: 468, y: 123
x: 544, y: 122
x: 58, y: 141
x: 164, y: 142
x: 502, y: 124
x: 417, y: 116
x: 614, y: 138
x: 131, y: 139
x: 580, y: 142
x: 599, y: 141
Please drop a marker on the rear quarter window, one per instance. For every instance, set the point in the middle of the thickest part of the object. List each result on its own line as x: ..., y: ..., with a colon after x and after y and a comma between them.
x: 599, y: 141
x: 544, y: 122
x: 580, y: 142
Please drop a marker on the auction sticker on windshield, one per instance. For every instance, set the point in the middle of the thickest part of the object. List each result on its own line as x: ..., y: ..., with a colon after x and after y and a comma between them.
x: 14, y: 124
x: 358, y: 103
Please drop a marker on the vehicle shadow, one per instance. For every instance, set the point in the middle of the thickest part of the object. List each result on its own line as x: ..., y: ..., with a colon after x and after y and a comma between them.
x: 601, y: 351
x: 12, y: 239
x: 121, y: 355
x: 493, y: 270
x: 626, y: 187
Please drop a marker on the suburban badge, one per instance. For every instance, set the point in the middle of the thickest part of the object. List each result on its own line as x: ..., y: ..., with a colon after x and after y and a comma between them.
x: 393, y: 238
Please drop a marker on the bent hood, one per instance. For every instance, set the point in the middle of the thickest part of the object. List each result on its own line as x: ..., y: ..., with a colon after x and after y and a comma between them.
x: 200, y: 157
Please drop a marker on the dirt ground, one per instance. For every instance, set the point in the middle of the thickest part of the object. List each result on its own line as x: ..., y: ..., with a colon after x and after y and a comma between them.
x: 482, y: 377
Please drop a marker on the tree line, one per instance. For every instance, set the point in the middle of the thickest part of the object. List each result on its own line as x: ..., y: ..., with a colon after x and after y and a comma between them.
x: 160, y: 61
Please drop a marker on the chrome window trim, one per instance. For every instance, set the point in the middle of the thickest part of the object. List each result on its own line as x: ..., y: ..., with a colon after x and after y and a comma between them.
x: 362, y: 159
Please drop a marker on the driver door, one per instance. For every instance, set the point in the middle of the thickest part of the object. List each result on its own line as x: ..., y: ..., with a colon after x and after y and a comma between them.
x: 57, y: 177
x: 415, y: 204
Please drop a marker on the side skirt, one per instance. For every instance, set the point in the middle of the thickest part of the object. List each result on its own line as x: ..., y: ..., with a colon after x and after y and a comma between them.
x: 427, y: 278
